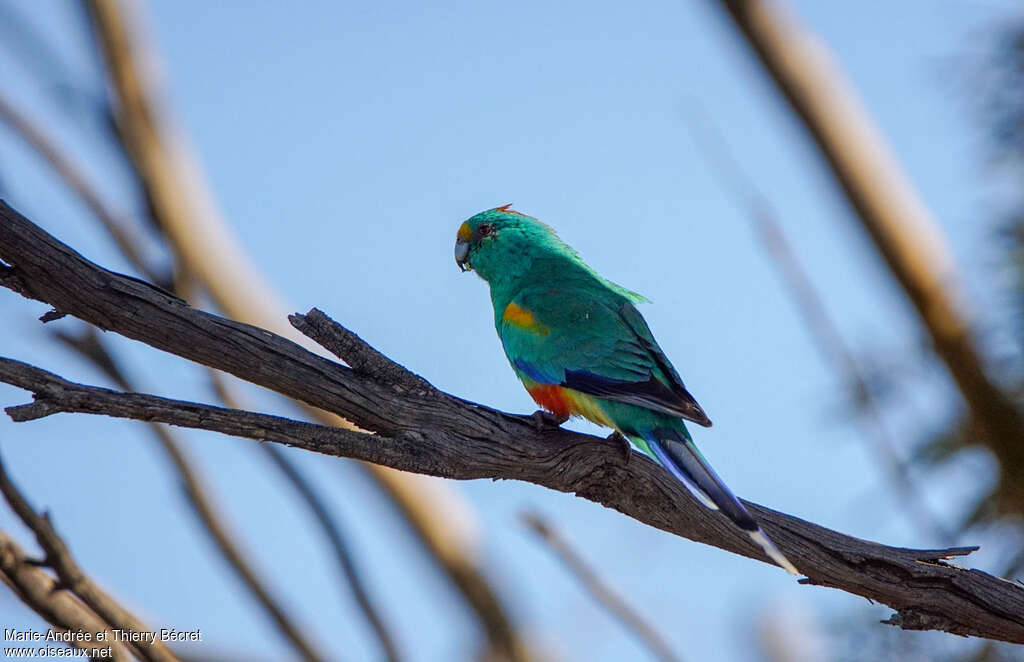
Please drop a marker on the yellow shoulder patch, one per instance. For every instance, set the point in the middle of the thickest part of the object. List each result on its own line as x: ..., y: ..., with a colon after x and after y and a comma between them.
x: 520, y: 317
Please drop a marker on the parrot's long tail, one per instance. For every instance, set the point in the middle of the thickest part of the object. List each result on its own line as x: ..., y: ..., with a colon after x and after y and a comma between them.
x: 677, y: 453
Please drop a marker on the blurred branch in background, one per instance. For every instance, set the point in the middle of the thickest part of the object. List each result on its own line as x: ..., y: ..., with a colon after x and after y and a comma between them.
x: 789, y: 632
x: 328, y: 524
x: 75, y: 178
x: 1000, y: 93
x: 74, y: 579
x: 342, y: 556
x: 821, y: 327
x: 182, y: 206
x: 41, y: 59
x: 185, y: 211
x: 418, y: 428
x: 997, y: 93
x: 996, y: 90
x: 893, y: 215
x: 598, y: 589
x: 89, y: 346
x: 58, y: 606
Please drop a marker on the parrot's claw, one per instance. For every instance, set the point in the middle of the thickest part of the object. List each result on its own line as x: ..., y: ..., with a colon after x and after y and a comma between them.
x: 545, y: 419
x: 626, y: 448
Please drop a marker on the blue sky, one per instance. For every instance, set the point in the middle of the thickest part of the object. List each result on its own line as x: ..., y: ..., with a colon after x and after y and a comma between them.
x: 346, y: 142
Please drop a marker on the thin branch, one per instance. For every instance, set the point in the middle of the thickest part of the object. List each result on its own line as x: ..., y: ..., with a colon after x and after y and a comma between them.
x: 504, y: 643
x: 342, y: 555
x: 186, y: 211
x: 37, y: 589
x: 91, y: 347
x: 73, y: 578
x: 328, y: 525
x: 431, y: 432
x: 892, y: 213
x: 602, y: 593
x: 822, y: 328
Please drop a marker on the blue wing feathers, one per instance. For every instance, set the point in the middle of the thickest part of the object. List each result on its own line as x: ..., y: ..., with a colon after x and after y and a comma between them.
x: 538, y: 373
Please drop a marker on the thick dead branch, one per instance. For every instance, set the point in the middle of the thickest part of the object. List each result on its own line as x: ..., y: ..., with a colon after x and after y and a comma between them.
x: 434, y: 433
x: 91, y: 347
x: 186, y: 211
x: 73, y: 578
x: 37, y: 589
x: 890, y: 210
x: 599, y: 589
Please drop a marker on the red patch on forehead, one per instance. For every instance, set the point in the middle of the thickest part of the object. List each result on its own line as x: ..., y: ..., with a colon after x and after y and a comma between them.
x: 508, y: 210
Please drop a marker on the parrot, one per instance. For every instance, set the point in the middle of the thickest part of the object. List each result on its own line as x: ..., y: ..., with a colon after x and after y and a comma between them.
x: 581, y: 348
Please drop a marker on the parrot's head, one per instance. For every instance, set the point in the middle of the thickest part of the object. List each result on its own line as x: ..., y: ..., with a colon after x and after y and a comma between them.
x: 501, y: 241
x: 503, y: 246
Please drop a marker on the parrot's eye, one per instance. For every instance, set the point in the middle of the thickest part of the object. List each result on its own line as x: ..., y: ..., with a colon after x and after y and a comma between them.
x: 485, y: 229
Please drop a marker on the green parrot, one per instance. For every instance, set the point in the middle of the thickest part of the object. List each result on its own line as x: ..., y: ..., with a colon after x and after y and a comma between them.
x: 581, y: 348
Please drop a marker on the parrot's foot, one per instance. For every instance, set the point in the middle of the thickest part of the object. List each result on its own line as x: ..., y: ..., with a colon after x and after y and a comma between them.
x: 545, y: 419
x: 627, y: 449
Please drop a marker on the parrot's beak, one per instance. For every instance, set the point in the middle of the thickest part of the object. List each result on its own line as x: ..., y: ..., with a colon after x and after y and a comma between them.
x: 462, y: 255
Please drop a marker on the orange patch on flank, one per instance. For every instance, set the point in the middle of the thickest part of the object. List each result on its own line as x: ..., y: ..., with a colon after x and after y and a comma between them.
x: 465, y: 232
x: 553, y: 398
x: 516, y: 315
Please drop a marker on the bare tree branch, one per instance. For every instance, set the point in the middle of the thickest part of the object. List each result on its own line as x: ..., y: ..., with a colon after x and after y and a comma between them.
x: 186, y: 211
x: 602, y: 593
x: 594, y: 468
x: 425, y: 430
x: 890, y: 210
x: 37, y: 589
x: 90, y: 347
x: 73, y: 578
